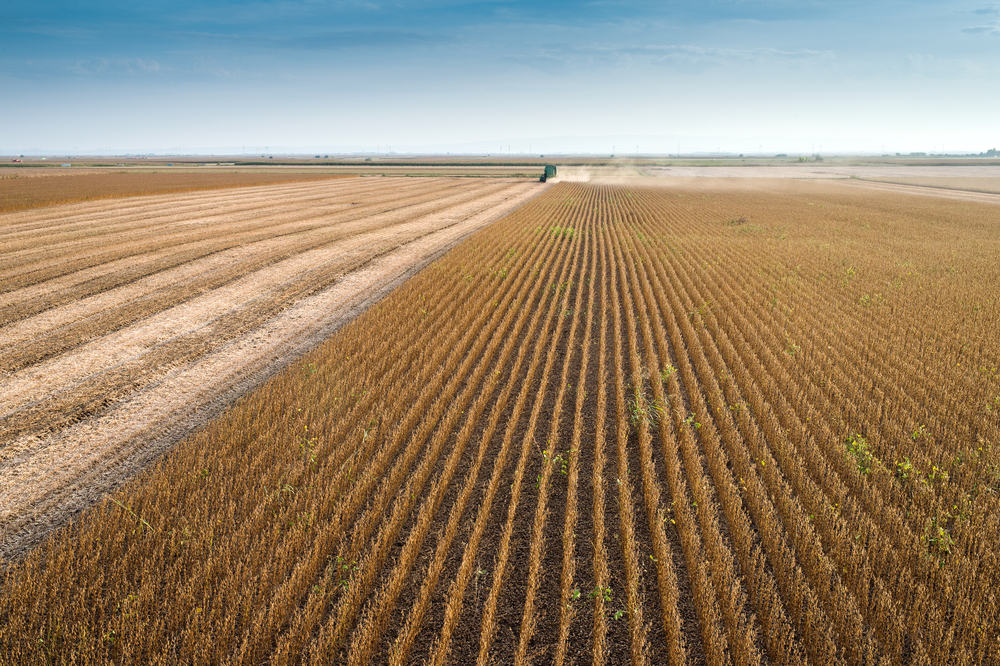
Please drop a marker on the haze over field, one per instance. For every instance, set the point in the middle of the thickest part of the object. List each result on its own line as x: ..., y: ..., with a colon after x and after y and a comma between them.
x: 461, y: 76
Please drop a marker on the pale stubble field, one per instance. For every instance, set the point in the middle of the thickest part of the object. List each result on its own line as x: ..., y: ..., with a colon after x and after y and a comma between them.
x: 128, y: 323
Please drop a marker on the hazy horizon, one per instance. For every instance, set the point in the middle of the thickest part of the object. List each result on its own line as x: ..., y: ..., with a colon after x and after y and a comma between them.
x: 757, y: 77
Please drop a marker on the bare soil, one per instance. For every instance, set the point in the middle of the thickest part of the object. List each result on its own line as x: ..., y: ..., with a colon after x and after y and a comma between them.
x: 80, y: 422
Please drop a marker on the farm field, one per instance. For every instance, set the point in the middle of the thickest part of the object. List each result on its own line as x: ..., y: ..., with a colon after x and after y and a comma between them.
x: 974, y: 184
x: 897, y: 173
x: 128, y: 323
x: 22, y: 189
x: 627, y: 423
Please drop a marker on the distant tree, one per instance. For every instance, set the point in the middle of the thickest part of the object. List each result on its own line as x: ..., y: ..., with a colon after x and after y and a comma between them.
x: 992, y: 152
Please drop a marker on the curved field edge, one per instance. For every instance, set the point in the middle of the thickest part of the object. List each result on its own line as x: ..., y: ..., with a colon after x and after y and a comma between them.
x: 18, y: 194
x: 621, y: 424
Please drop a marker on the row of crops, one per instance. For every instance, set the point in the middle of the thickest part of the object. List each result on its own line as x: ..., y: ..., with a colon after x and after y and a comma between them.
x: 621, y: 425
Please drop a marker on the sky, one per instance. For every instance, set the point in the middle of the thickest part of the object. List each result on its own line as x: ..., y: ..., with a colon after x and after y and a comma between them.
x: 747, y: 76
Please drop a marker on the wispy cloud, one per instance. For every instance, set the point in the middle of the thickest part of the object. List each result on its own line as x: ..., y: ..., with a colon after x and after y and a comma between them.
x: 714, y: 56
x: 680, y: 57
x: 352, y: 39
x: 96, y: 67
x: 992, y: 29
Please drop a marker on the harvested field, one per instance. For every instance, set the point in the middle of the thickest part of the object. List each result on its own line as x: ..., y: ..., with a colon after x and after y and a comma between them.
x: 623, y: 424
x: 126, y: 324
x: 425, y: 170
x: 829, y: 170
x: 991, y: 185
x: 23, y: 189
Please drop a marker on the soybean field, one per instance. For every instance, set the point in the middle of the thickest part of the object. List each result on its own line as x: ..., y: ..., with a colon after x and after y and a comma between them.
x: 624, y: 424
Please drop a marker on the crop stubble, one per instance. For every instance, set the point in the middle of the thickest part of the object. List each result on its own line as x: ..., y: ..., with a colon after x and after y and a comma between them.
x: 125, y: 355
x: 621, y: 425
x: 22, y: 188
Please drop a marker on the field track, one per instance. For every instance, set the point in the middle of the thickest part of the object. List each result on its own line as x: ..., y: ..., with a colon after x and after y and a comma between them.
x: 621, y: 425
x: 128, y: 323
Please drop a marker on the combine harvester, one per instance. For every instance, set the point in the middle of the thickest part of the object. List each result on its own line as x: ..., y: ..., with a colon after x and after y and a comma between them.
x: 550, y: 172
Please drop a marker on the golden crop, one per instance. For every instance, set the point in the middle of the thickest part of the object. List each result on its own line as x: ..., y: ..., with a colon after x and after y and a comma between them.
x: 738, y: 424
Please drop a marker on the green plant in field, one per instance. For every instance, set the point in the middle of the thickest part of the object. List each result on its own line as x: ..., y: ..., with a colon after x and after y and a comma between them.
x: 556, y: 458
x: 559, y: 288
x: 904, y: 469
x: 142, y: 521
x: 700, y: 310
x: 343, y: 571
x: 692, y: 421
x: 936, y: 474
x: 668, y: 370
x: 642, y: 409
x: 859, y: 451
x: 920, y: 433
x: 938, y: 539
x: 849, y: 274
x: 603, y: 593
x: 562, y: 232
x: 307, y: 445
x: 564, y: 462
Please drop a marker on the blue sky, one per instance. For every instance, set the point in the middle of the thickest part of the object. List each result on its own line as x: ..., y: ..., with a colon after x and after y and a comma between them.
x: 455, y: 75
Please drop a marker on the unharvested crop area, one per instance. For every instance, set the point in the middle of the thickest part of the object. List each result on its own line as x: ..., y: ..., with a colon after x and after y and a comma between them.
x: 126, y: 324
x: 22, y: 191
x: 621, y: 425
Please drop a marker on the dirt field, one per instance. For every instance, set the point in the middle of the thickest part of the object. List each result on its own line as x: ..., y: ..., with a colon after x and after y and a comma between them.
x: 128, y: 323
